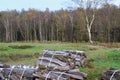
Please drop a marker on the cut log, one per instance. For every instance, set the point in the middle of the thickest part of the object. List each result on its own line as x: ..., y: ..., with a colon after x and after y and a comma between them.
x: 111, y: 74
x: 4, y: 65
x: 17, y: 73
x: 52, y: 60
x: 54, y: 75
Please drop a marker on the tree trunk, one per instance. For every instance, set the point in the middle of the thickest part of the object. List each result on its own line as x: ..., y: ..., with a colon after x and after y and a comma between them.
x: 57, y: 34
x: 52, y: 33
x: 6, y: 23
x: 89, y: 26
x: 35, y: 36
x: 40, y: 31
x: 89, y: 35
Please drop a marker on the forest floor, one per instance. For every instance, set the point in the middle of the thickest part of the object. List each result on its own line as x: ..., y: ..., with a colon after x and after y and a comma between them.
x: 103, y: 55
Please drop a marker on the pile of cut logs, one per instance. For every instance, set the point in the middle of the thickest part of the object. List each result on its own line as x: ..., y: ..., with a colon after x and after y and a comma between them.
x: 111, y: 74
x: 51, y: 65
x: 61, y: 65
x: 16, y: 72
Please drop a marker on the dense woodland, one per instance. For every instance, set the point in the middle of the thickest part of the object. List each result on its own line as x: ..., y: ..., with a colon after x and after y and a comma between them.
x: 61, y: 25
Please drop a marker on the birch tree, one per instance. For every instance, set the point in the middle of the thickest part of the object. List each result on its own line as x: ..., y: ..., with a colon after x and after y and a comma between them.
x: 88, y: 7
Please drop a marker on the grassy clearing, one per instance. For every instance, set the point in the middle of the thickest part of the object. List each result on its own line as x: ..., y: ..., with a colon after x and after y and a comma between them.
x: 27, y: 53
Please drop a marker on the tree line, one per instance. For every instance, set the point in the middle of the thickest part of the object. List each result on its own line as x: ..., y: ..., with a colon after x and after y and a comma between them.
x: 61, y: 25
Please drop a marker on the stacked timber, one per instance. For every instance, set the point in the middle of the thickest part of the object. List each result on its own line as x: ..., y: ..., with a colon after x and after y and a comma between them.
x: 61, y: 65
x: 19, y: 72
x: 51, y: 65
x: 62, y: 59
x: 111, y: 74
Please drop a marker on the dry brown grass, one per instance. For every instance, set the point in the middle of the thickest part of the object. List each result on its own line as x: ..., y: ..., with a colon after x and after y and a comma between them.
x: 108, y: 45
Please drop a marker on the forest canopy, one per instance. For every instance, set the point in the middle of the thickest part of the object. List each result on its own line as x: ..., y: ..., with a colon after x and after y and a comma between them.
x: 61, y: 25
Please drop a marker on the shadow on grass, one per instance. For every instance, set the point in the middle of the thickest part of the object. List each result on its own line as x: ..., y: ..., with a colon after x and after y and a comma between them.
x: 3, y: 49
x: 20, y: 47
x: 16, y: 57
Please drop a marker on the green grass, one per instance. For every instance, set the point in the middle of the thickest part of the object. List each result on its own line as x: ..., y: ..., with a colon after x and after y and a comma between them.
x: 103, y: 57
